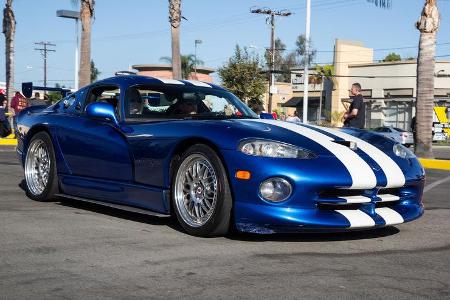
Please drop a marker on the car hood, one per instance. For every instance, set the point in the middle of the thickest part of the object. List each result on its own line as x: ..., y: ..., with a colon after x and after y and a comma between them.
x: 372, y: 153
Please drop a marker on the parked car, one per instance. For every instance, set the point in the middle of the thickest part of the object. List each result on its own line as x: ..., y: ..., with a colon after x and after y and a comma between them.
x: 397, y: 134
x: 193, y: 150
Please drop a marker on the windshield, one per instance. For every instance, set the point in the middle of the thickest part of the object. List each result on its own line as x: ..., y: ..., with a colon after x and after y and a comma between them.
x: 147, y: 102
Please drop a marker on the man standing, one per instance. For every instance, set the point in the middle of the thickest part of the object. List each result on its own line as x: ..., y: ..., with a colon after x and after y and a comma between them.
x: 356, y: 114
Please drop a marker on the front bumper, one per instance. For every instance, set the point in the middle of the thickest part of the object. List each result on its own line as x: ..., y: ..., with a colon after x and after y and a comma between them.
x: 320, y: 200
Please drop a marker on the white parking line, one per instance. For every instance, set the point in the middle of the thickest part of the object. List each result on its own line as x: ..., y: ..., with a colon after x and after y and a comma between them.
x: 435, y: 184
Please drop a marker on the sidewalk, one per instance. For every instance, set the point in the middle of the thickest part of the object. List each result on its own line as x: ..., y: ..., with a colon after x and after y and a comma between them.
x: 441, y: 152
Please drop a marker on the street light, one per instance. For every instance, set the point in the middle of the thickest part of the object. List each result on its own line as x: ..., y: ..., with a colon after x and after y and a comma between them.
x: 75, y: 15
x: 197, y: 42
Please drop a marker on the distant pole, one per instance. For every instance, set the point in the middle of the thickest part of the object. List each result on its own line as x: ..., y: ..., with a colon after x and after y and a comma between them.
x: 197, y: 42
x: 272, y: 62
x: 272, y: 14
x: 306, y: 70
x: 77, y: 47
x: 44, y: 52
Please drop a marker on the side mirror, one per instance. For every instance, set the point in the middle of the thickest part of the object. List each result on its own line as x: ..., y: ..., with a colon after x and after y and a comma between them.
x: 103, y: 111
x: 266, y: 116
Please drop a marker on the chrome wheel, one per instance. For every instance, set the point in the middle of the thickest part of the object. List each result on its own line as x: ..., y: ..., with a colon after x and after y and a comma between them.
x: 195, y: 190
x: 37, y: 167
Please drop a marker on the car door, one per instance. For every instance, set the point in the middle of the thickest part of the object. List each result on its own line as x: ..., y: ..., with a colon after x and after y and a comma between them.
x: 94, y: 148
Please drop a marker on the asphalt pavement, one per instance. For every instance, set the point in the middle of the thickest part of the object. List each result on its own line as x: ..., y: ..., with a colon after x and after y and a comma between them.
x: 74, y: 250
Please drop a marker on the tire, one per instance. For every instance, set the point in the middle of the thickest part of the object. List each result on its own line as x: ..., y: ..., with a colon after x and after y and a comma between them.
x: 41, y: 179
x: 201, y: 196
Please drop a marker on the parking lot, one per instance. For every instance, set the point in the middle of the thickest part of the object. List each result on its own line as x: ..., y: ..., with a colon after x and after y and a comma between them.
x: 76, y: 250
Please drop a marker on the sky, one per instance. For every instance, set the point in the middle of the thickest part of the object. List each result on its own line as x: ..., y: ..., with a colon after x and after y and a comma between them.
x: 137, y: 32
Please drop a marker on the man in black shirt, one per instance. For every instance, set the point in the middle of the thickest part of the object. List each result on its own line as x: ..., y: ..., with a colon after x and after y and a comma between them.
x: 356, y: 114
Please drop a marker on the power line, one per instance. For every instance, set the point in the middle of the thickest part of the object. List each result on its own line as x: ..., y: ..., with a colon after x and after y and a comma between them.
x: 272, y: 14
x: 44, y: 52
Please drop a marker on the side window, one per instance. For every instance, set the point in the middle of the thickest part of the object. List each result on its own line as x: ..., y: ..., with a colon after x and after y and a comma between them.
x: 109, y: 94
x: 147, y: 102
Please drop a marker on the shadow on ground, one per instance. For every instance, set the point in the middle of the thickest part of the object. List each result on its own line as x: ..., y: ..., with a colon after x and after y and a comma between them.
x: 234, y: 234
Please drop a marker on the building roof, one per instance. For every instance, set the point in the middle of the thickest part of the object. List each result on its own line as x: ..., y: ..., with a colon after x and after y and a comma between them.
x: 168, y: 67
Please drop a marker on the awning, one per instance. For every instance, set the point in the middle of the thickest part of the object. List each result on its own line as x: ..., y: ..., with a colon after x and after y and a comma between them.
x: 297, y: 101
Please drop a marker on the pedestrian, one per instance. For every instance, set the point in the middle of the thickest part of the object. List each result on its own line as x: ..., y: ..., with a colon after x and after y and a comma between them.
x: 37, y: 100
x: 282, y: 116
x: 413, y: 128
x: 5, y: 128
x: 274, y: 115
x: 18, y: 103
x: 294, y: 119
x: 356, y: 114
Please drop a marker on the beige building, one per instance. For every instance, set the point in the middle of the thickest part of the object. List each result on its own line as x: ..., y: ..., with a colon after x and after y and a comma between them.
x: 284, y: 93
x: 389, y: 88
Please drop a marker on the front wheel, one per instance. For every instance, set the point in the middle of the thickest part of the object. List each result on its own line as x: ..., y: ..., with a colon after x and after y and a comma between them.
x: 40, y: 168
x: 201, y: 193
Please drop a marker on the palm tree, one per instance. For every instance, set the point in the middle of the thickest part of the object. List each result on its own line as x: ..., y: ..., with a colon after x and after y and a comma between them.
x: 9, y: 29
x: 86, y: 15
x: 428, y: 25
x: 188, y: 64
x: 175, y: 20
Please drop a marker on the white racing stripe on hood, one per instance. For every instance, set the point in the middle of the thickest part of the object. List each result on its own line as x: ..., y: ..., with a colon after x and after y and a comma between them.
x: 394, y: 174
x: 169, y: 81
x: 362, y: 175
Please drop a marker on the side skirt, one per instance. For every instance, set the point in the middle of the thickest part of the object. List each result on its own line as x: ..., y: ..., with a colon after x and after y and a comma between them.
x: 118, y: 206
x: 125, y: 194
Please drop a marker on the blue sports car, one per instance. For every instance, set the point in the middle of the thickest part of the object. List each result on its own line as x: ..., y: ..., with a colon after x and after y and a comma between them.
x: 193, y: 150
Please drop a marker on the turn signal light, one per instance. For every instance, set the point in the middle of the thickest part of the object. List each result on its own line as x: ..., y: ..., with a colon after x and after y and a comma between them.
x: 243, y: 175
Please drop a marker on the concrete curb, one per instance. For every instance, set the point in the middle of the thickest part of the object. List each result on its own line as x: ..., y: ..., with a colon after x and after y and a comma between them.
x: 438, y: 164
x: 10, y: 140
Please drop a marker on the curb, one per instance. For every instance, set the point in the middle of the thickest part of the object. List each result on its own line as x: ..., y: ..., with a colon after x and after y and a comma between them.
x: 438, y: 164
x: 10, y: 140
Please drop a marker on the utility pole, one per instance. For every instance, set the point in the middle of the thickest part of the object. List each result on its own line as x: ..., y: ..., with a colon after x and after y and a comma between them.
x: 306, y: 70
x: 272, y: 14
x: 44, y: 52
x: 197, y: 42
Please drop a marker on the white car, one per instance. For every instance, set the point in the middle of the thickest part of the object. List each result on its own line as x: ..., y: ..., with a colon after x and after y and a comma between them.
x: 402, y: 136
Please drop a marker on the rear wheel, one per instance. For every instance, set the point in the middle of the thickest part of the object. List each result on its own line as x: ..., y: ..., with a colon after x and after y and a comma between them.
x: 201, y: 194
x: 40, y: 168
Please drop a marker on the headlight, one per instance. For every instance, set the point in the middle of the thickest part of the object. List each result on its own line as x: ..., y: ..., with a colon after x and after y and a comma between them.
x: 402, y: 151
x: 275, y: 189
x: 274, y: 149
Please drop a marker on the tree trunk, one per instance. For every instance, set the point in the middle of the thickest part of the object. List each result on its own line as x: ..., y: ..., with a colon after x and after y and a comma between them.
x: 86, y: 13
x: 428, y: 25
x: 425, y: 94
x: 9, y: 29
x: 175, y: 20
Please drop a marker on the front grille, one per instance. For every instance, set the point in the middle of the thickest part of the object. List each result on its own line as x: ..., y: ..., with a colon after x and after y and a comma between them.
x: 352, y: 199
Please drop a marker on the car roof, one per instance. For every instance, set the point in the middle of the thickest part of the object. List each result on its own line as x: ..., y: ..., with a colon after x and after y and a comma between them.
x: 139, y: 79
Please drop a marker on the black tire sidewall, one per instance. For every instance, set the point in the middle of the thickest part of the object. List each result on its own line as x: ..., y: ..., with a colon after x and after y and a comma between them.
x: 218, y: 223
x: 52, y: 186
